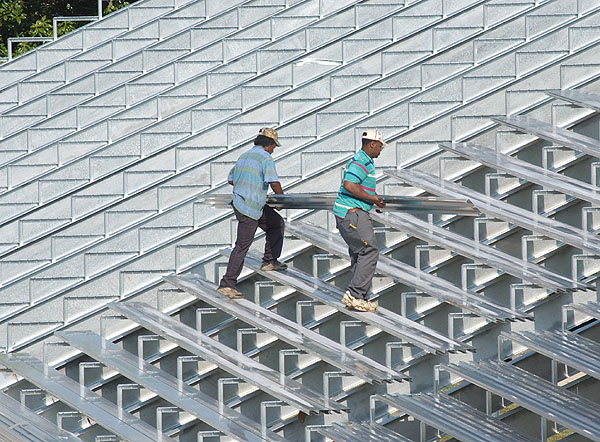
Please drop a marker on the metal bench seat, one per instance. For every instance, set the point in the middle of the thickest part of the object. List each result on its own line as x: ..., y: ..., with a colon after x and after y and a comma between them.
x: 228, y: 359
x: 295, y: 334
x: 101, y: 410
x: 173, y: 390
x: 396, y: 325
x: 578, y: 98
x: 454, y: 417
x: 19, y: 423
x: 411, y: 276
x: 534, y: 393
x: 354, y: 432
x: 568, y: 348
x: 479, y: 252
x: 524, y: 170
x: 590, y: 308
x: 490, y: 206
x: 558, y: 135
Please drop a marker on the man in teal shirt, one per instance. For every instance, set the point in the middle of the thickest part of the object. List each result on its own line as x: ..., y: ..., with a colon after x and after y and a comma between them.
x: 355, y: 198
x: 253, y: 174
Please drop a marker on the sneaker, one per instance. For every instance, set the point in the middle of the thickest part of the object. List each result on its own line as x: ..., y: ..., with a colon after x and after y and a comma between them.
x: 275, y: 265
x: 362, y: 305
x: 230, y: 292
x: 347, y: 299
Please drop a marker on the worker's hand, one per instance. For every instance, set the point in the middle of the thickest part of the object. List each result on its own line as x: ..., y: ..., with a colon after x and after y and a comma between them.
x: 379, y: 202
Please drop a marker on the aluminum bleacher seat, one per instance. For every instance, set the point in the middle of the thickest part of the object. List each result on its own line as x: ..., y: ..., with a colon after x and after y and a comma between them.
x: 355, y: 432
x: 453, y: 417
x: 480, y: 252
x: 496, y: 208
x: 534, y: 393
x: 294, y: 334
x: 19, y: 423
x: 176, y: 391
x: 253, y: 372
x: 561, y: 346
x: 522, y: 169
x: 80, y: 398
x: 390, y: 322
x: 412, y: 277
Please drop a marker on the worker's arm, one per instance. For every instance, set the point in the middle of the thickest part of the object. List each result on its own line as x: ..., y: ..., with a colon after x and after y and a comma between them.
x: 358, y: 192
x: 276, y: 187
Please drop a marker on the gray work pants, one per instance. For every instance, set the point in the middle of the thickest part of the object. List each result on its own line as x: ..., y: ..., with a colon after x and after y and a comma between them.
x: 357, y: 230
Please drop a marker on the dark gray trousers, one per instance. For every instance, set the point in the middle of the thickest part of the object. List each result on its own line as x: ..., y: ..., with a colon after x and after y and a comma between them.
x: 357, y: 230
x: 272, y: 224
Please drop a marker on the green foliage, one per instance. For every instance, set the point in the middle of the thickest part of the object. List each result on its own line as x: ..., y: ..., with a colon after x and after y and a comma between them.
x: 33, y: 18
x: 115, y: 5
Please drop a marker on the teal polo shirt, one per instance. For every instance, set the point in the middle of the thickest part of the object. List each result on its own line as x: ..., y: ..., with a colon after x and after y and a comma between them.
x: 361, y: 170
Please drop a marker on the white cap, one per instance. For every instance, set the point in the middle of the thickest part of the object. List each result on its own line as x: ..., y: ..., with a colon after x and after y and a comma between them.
x: 373, y: 134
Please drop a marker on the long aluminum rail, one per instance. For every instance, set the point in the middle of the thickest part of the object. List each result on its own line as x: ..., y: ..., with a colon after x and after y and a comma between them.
x: 565, y: 347
x: 230, y: 360
x: 525, y: 170
x: 536, y: 394
x: 396, y: 325
x: 480, y: 252
x: 578, y: 98
x: 19, y: 423
x: 173, y: 390
x: 558, y: 135
x: 412, y: 277
x: 104, y: 412
x: 325, y: 201
x: 531, y: 221
x: 454, y: 417
x: 330, y: 351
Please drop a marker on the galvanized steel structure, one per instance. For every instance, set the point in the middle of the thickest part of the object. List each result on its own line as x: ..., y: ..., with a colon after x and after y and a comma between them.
x: 113, y: 138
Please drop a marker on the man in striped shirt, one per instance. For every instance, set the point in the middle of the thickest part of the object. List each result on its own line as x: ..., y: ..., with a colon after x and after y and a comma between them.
x: 354, y: 200
x: 253, y: 174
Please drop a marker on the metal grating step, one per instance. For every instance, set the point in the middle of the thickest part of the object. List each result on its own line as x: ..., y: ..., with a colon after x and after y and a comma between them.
x: 568, y: 348
x: 294, y: 334
x: 20, y: 424
x: 251, y: 371
x: 477, y: 251
x: 172, y: 389
x: 412, y: 277
x: 453, y: 417
x: 390, y: 322
x: 81, y: 398
x: 538, y: 395
x: 500, y: 209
